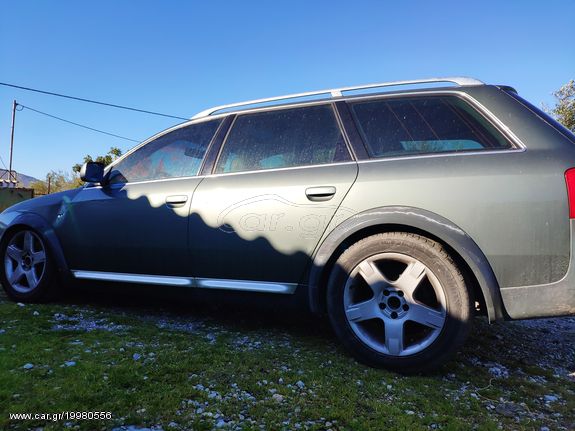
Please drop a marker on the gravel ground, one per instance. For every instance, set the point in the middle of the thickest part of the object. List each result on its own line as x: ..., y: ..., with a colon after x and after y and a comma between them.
x: 549, y: 342
x: 509, y: 375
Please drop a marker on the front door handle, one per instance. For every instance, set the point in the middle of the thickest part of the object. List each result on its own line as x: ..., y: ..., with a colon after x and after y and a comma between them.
x: 319, y: 194
x: 176, y: 201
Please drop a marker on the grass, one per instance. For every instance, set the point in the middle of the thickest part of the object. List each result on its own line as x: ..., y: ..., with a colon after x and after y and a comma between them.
x: 176, y: 365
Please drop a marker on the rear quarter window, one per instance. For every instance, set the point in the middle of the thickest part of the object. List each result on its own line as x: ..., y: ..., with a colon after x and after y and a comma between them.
x: 424, y: 125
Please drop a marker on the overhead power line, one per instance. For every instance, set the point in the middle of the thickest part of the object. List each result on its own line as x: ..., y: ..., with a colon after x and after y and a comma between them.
x: 112, y: 105
x: 77, y: 124
x: 3, y: 164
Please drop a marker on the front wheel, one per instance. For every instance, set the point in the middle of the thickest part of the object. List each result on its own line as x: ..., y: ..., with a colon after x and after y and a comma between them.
x: 26, y: 270
x: 397, y: 300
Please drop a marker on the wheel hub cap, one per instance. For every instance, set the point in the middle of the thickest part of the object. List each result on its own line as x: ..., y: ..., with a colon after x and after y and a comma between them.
x: 26, y: 262
x: 393, y: 305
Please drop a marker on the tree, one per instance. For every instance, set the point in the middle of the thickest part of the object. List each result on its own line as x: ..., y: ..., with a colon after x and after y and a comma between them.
x: 110, y: 156
x: 58, y: 180
x: 564, y: 110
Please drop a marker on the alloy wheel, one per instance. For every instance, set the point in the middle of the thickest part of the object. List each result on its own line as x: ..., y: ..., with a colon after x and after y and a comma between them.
x: 25, y: 261
x: 395, y: 304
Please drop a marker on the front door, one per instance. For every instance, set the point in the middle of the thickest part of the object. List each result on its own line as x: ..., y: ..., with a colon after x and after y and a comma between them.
x: 137, y: 223
x: 130, y: 228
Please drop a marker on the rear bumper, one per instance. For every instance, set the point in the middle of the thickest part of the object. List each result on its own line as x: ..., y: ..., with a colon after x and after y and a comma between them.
x: 544, y: 300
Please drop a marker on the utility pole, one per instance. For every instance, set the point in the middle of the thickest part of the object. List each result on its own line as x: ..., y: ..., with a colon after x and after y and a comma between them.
x: 10, y: 175
x: 49, y: 182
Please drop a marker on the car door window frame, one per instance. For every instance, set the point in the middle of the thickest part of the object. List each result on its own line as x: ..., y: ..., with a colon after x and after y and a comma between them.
x: 110, y: 168
x: 338, y: 119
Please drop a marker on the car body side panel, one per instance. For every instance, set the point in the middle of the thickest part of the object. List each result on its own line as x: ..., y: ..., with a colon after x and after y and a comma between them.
x: 551, y: 299
x: 512, y: 205
x: 41, y: 214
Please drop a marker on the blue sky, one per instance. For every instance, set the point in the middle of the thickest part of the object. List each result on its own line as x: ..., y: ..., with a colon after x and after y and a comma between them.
x: 180, y: 57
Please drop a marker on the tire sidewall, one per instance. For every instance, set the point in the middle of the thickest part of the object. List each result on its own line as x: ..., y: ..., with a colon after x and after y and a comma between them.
x: 458, y: 301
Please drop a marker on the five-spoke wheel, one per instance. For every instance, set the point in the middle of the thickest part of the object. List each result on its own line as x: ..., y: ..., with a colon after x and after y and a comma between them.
x: 404, y: 296
x: 397, y: 300
x: 26, y: 269
x: 25, y: 261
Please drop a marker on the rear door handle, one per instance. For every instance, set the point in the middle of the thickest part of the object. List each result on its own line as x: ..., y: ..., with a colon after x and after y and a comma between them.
x: 176, y: 201
x: 319, y: 194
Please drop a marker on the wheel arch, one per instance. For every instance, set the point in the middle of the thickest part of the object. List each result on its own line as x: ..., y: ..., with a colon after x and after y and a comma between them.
x: 43, y: 228
x: 476, y: 269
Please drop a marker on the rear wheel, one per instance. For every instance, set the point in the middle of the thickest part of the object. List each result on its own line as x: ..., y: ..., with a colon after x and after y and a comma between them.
x: 397, y: 300
x: 27, y: 269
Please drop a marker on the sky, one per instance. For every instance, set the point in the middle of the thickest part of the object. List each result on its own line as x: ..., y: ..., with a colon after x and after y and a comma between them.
x: 180, y: 57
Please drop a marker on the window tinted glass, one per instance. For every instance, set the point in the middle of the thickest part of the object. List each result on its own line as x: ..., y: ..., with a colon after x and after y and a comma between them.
x: 283, y: 138
x: 415, y: 125
x: 175, y: 154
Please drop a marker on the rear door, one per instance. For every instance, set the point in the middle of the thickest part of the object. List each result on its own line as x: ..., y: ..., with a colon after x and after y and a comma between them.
x: 278, y: 180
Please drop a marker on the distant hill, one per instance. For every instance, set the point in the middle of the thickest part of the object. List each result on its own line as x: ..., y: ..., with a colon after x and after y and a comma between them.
x: 23, y: 180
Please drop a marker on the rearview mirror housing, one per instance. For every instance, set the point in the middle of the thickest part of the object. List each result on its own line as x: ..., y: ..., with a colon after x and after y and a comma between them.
x: 92, y: 172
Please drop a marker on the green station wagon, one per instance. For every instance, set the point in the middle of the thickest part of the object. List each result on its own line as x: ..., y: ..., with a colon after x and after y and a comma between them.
x: 400, y: 213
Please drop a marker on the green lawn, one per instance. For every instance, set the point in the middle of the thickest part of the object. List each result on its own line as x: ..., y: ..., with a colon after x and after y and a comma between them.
x: 181, y: 367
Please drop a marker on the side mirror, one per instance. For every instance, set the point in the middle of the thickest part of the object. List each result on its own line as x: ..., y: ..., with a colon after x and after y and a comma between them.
x: 92, y: 172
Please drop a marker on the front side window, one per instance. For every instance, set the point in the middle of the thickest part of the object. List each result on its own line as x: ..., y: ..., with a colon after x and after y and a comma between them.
x: 283, y: 138
x: 176, y: 154
x: 420, y: 125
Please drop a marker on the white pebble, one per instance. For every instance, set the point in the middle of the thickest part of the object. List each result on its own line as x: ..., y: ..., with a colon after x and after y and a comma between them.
x: 550, y: 398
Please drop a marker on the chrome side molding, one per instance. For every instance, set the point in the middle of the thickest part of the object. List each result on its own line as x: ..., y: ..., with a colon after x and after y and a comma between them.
x: 159, y: 280
x: 203, y: 283
x: 246, y: 286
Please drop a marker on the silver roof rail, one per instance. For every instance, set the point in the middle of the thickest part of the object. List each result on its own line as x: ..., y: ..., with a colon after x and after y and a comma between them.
x: 337, y: 92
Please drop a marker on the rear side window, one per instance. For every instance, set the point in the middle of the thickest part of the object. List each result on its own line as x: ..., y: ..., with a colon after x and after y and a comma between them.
x: 421, y: 125
x: 283, y: 138
x: 176, y: 154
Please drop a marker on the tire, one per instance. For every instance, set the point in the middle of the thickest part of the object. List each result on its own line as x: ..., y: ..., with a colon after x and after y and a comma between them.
x: 27, y: 270
x: 397, y: 300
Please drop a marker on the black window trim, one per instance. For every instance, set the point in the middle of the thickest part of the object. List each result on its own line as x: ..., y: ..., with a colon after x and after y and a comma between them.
x: 214, y: 148
x: 358, y: 149
x: 333, y: 106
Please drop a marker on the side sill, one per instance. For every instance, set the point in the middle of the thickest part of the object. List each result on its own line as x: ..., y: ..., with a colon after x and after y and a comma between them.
x: 202, y: 283
x: 544, y: 300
